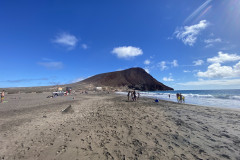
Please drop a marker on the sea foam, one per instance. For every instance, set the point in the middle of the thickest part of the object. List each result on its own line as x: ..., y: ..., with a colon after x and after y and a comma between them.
x: 215, y: 98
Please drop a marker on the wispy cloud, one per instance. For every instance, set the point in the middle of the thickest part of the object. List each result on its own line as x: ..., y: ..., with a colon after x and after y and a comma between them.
x: 66, y: 39
x: 162, y: 65
x: 209, y: 45
x: 211, y: 42
x: 168, y: 79
x: 174, y: 63
x: 84, y: 46
x: 127, y: 52
x: 186, y: 71
x: 189, y: 34
x: 147, y: 62
x: 198, y: 62
x: 51, y: 65
x: 222, y: 82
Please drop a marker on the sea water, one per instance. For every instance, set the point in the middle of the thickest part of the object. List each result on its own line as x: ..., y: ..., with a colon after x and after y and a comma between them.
x: 215, y: 98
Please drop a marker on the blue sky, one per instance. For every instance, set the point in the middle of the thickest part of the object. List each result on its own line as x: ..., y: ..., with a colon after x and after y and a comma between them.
x: 184, y: 44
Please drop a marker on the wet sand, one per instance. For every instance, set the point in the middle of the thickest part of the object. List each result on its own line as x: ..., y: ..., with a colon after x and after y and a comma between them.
x: 103, y: 126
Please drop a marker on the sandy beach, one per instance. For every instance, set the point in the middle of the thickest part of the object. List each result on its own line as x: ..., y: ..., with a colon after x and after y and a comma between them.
x: 107, y: 126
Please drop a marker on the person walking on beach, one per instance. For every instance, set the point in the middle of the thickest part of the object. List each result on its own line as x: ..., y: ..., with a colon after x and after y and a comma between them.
x: 128, y: 94
x: 169, y: 96
x: 2, y: 96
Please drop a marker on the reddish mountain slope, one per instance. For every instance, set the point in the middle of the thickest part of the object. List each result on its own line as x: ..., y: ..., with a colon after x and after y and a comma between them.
x: 134, y: 78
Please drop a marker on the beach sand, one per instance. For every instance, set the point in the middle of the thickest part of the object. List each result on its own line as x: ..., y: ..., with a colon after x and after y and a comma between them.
x: 104, y: 126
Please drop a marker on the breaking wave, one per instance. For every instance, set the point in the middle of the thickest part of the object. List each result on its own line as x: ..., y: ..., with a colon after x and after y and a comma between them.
x: 216, y: 98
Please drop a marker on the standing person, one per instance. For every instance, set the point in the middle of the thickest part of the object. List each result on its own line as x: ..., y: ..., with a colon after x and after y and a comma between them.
x: 177, y: 95
x: 180, y: 98
x: 183, y: 99
x: 131, y: 94
x: 169, y: 96
x: 128, y: 94
x: 134, y: 96
x: 2, y: 96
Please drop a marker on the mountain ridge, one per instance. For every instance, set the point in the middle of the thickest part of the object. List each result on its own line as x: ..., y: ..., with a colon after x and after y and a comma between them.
x: 132, y: 78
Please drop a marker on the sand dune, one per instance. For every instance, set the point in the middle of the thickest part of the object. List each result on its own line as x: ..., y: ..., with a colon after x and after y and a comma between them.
x: 103, y: 126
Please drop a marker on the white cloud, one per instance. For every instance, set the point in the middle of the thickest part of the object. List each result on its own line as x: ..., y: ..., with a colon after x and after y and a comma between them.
x: 147, y: 62
x: 51, y: 65
x: 224, y: 82
x: 127, y: 52
x: 188, y: 34
x: 212, y: 40
x: 84, y: 46
x: 224, y: 57
x: 168, y: 79
x: 66, y: 39
x: 174, y: 63
x: 162, y: 65
x: 198, y: 62
x: 216, y: 70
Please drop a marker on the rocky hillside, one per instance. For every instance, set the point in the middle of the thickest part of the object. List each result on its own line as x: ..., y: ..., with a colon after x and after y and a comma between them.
x: 133, y: 78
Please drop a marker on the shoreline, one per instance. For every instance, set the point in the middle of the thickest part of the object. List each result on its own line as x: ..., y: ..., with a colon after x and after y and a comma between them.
x: 106, y: 126
x: 191, y: 102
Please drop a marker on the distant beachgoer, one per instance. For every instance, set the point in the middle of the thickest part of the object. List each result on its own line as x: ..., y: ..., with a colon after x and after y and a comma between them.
x: 156, y: 100
x: 138, y: 95
x: 2, y: 96
x: 177, y: 95
x: 169, y: 96
x: 134, y: 96
x: 183, y: 99
x: 128, y: 94
x: 180, y: 98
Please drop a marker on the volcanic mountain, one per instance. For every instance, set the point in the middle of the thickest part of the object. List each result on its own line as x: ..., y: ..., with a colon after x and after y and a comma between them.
x: 133, y: 78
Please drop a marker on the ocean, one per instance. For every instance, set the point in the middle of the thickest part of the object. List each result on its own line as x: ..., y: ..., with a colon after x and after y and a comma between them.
x: 213, y: 98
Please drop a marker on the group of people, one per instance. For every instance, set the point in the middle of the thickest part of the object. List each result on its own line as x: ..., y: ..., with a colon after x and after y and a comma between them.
x: 133, y: 95
x: 180, y: 98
